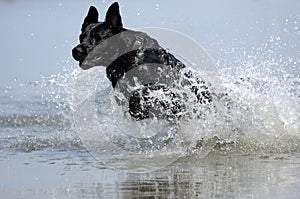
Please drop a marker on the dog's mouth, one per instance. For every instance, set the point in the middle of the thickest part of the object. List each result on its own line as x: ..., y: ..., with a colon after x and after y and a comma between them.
x: 80, y: 54
x: 89, y: 57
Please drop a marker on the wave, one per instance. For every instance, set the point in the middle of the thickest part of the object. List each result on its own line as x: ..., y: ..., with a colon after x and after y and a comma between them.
x: 29, y: 133
x: 41, y: 132
x: 30, y: 144
x: 17, y: 120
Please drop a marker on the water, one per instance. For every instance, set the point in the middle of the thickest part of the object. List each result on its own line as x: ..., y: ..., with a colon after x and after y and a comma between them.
x: 248, y: 148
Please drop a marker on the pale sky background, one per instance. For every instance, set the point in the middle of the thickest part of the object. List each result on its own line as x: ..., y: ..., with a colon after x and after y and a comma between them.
x: 36, y: 37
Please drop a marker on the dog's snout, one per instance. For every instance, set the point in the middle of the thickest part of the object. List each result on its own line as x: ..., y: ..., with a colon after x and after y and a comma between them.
x: 79, y: 53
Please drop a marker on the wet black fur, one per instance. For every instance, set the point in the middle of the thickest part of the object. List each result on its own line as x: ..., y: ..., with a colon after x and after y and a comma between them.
x: 94, y: 32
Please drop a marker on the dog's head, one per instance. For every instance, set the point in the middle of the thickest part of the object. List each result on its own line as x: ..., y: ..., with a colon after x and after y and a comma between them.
x: 94, y: 32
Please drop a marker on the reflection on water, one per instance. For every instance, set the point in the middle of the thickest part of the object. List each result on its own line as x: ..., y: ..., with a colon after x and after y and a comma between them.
x: 68, y: 175
x: 216, y: 176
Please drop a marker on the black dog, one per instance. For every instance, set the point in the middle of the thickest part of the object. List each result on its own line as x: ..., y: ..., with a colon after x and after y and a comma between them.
x: 132, y: 57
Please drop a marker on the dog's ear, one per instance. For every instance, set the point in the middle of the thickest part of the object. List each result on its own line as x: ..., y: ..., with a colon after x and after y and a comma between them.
x: 92, y: 17
x: 113, y: 16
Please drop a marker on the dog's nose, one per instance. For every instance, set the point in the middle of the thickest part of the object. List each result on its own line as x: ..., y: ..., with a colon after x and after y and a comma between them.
x: 79, y: 53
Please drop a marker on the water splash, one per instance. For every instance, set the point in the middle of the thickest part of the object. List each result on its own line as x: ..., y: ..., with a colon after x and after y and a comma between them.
x: 36, y: 115
x: 257, y: 111
x: 263, y: 83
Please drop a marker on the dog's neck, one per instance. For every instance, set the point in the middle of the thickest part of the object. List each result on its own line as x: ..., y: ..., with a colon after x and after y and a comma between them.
x: 135, y: 58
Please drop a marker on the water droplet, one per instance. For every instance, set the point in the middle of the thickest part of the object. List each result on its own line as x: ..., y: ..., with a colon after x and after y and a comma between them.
x: 271, y: 39
x: 157, y: 6
x: 296, y: 28
x: 60, y: 4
